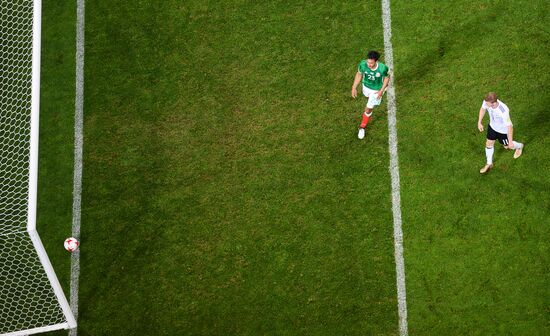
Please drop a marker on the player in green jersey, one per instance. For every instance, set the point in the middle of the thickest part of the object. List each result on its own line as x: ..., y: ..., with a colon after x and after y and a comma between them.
x: 375, y: 78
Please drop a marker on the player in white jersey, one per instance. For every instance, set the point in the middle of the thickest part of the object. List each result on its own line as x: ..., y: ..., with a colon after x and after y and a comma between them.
x: 500, y: 128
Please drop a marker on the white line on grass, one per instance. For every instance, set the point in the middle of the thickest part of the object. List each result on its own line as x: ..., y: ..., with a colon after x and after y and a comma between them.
x: 78, y: 144
x: 394, y: 171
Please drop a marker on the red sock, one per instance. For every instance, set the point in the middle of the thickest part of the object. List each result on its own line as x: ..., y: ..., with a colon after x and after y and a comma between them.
x: 365, y: 120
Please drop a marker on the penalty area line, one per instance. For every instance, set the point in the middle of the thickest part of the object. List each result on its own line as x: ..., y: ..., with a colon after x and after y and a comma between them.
x: 394, y: 172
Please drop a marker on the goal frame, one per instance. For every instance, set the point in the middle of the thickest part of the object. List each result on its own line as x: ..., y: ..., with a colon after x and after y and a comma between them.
x: 33, y: 184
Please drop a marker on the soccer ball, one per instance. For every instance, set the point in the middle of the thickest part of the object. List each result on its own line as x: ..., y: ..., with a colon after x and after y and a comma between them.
x: 71, y: 244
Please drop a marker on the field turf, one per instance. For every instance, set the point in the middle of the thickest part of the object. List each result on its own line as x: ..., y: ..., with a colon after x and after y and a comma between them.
x: 226, y: 192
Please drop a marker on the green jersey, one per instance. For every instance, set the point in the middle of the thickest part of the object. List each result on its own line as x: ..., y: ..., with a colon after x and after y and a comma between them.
x: 373, y: 78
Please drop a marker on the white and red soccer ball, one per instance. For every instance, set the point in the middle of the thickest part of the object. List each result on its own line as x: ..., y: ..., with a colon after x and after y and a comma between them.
x: 71, y: 244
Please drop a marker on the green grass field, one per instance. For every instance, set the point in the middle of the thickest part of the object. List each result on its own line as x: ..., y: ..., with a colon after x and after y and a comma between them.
x: 226, y: 192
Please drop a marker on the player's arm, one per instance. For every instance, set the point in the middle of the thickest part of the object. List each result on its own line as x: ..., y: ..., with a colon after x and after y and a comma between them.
x: 385, y: 84
x: 356, y: 81
x: 510, y: 137
x: 508, y: 121
x: 481, y: 114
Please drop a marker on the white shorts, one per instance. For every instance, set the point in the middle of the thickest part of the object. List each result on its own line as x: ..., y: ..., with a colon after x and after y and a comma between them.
x: 372, y: 95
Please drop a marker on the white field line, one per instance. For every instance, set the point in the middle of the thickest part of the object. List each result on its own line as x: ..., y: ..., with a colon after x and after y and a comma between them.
x: 78, y: 144
x: 394, y: 171
x: 394, y: 167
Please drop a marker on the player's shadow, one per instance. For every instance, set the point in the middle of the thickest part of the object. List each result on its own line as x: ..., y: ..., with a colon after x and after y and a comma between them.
x: 451, y: 39
x: 538, y: 123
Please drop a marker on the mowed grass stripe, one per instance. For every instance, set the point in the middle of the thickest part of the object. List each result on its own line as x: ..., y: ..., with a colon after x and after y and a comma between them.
x: 476, y: 246
x: 222, y: 162
x: 56, y: 136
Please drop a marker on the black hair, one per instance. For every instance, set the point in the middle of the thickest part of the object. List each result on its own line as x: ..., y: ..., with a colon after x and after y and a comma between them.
x: 373, y: 55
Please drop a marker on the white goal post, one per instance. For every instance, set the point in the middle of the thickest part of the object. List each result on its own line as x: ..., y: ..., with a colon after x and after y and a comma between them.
x: 31, y: 298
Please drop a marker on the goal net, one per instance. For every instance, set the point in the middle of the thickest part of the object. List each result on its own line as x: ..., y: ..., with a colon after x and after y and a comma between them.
x: 31, y: 299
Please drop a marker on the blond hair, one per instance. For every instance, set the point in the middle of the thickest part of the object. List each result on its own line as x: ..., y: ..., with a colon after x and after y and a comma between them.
x: 491, y: 97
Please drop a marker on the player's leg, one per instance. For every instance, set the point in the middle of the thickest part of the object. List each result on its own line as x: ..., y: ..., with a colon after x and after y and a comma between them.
x: 371, y: 103
x: 489, y: 149
x: 364, y: 122
x: 366, y: 116
x: 518, y: 146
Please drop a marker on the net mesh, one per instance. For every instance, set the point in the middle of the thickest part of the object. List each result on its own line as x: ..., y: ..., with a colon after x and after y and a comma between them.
x: 27, y: 299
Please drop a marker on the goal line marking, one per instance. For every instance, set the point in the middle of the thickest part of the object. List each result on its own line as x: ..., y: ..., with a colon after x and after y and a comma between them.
x: 78, y: 149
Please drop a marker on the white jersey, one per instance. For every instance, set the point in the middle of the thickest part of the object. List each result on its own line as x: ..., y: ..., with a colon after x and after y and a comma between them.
x: 500, y: 116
